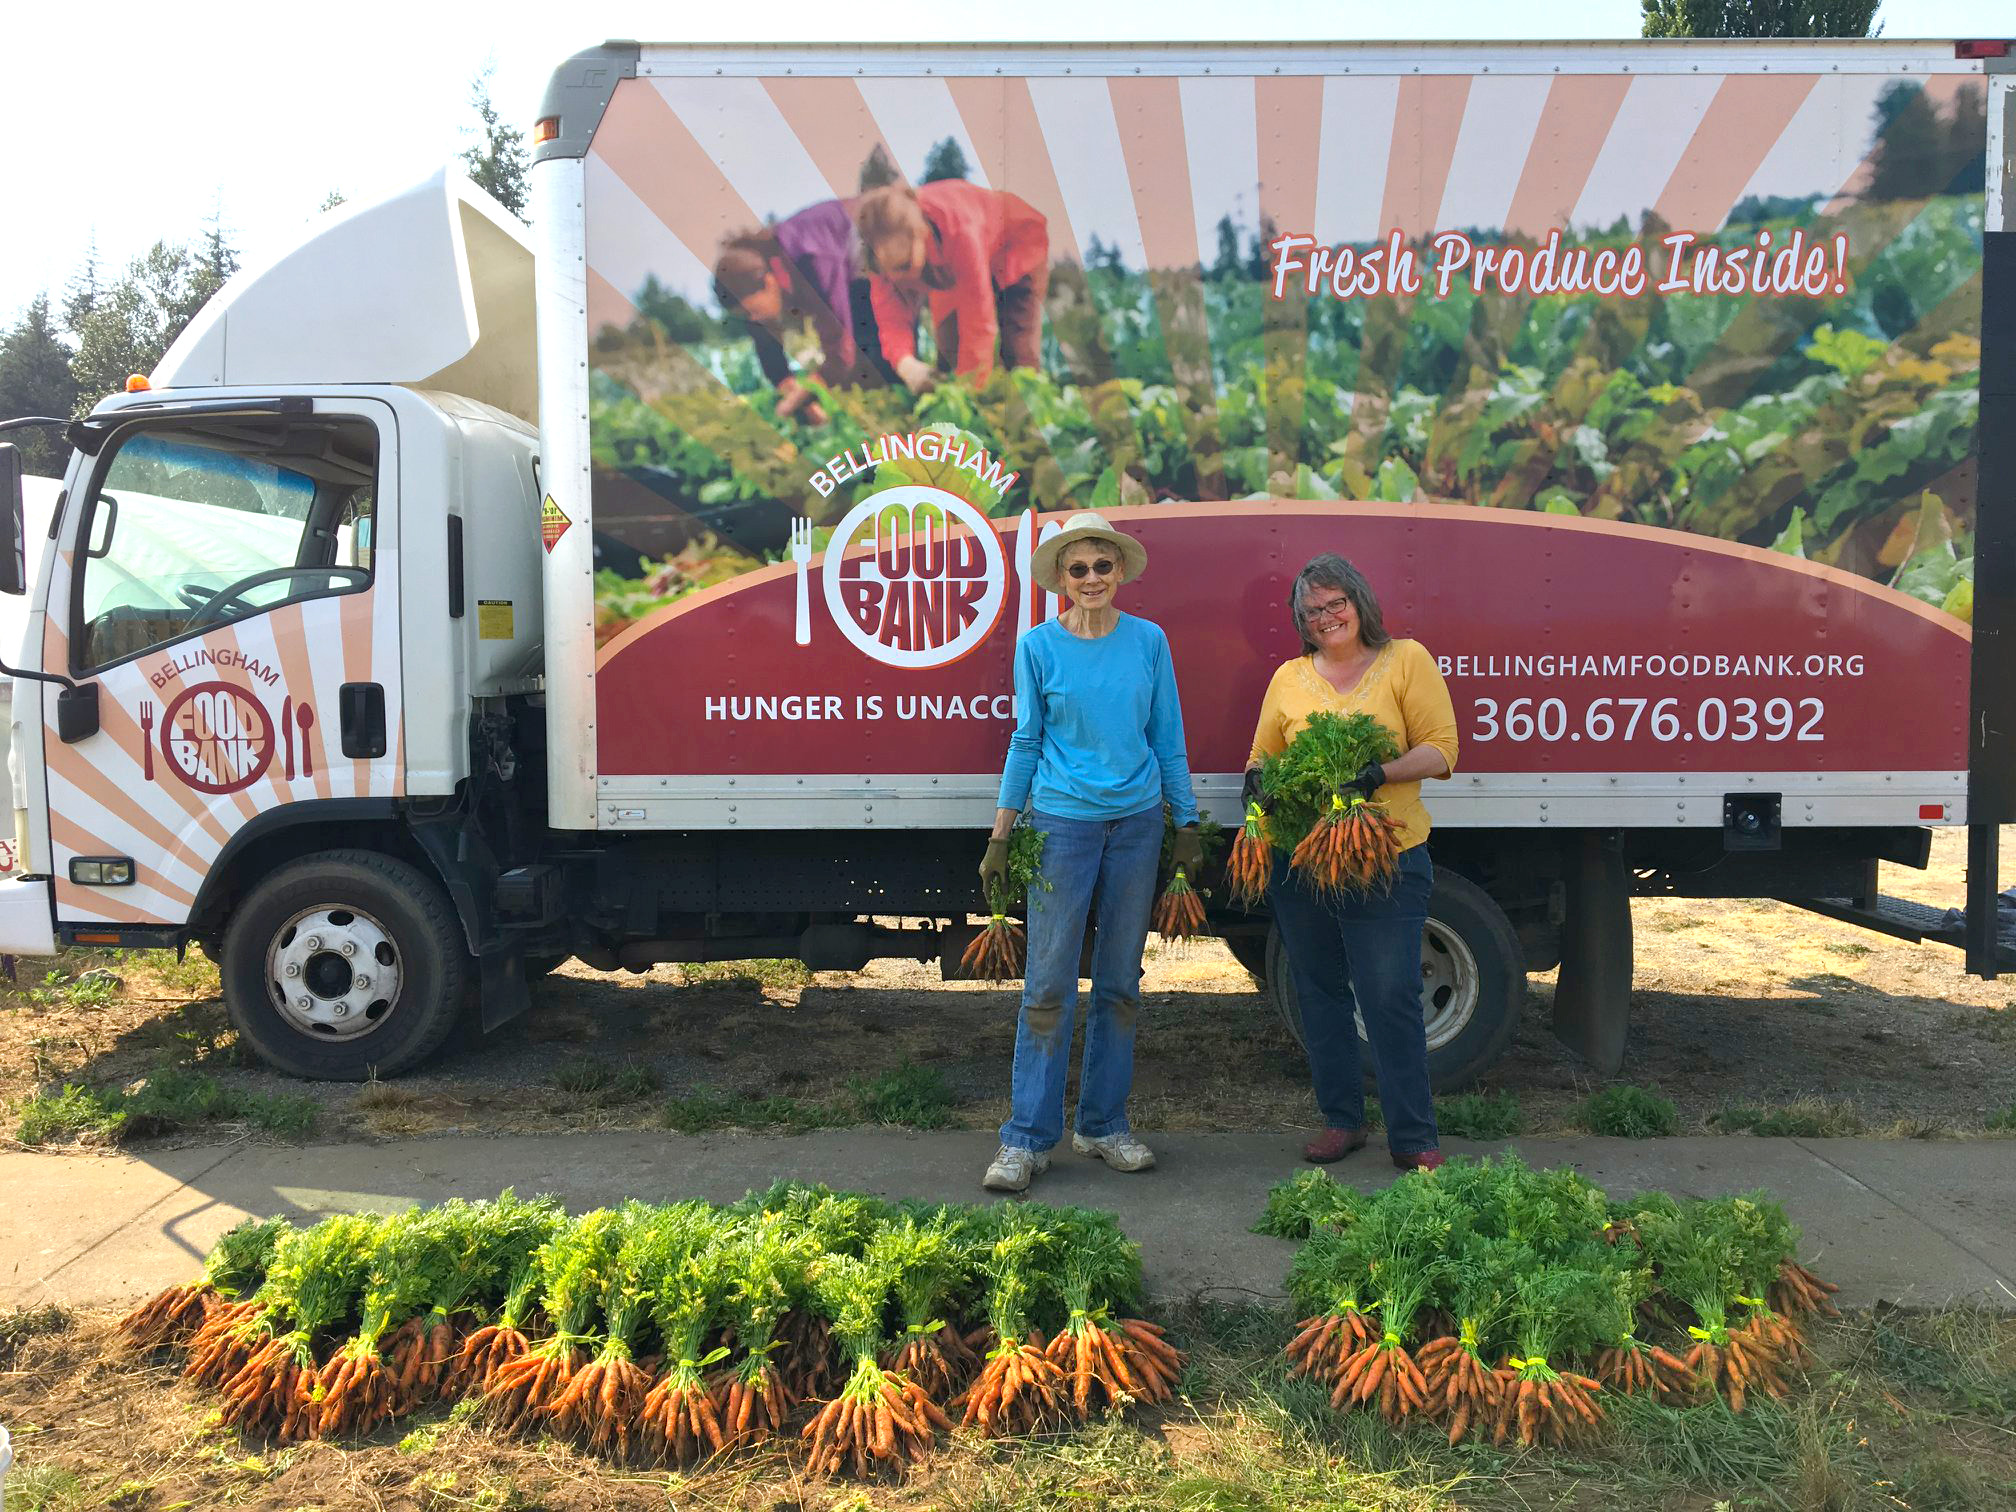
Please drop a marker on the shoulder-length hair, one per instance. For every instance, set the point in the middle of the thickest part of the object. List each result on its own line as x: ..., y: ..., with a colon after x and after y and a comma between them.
x: 1331, y: 571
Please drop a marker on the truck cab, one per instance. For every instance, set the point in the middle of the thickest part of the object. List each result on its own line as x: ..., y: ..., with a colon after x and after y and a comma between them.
x: 295, y: 589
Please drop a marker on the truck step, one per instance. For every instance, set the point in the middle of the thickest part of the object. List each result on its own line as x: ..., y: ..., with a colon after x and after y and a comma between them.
x: 1905, y: 920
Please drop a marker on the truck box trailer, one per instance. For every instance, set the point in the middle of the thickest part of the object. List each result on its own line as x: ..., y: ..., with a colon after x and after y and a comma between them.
x: 455, y: 598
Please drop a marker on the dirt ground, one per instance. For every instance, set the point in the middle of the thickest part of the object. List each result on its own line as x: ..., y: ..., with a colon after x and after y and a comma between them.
x: 1735, y: 1004
x: 1896, y: 1410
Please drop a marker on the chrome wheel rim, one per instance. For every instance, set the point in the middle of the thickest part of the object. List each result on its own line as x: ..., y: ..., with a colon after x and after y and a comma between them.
x: 334, y: 973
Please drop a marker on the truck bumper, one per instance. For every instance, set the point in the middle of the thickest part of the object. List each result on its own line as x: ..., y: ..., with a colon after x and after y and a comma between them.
x: 27, y: 926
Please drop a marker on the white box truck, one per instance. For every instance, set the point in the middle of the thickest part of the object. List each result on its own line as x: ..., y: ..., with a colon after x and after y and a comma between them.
x: 456, y: 598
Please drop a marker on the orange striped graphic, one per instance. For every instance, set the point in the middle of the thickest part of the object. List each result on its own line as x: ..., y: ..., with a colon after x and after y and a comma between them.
x: 1149, y: 114
x: 1427, y: 119
x: 1574, y: 124
x: 1747, y: 116
x: 835, y: 126
x: 79, y: 841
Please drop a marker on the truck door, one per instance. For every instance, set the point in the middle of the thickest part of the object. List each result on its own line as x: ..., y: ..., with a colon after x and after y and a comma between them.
x: 228, y: 583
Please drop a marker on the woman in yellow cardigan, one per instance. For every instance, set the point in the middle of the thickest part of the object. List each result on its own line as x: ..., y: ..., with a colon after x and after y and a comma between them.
x: 1368, y: 947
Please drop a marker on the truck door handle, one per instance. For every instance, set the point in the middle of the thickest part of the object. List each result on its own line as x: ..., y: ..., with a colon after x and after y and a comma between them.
x: 360, y: 711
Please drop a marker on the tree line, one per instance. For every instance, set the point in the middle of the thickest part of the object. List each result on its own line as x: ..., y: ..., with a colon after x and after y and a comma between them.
x: 67, y: 351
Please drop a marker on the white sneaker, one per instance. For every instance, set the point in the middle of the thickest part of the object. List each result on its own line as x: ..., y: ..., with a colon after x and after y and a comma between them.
x: 1013, y: 1169
x: 1122, y: 1151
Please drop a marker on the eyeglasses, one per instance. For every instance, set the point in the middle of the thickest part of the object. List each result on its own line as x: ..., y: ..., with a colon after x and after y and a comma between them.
x: 1331, y: 612
x: 1100, y: 568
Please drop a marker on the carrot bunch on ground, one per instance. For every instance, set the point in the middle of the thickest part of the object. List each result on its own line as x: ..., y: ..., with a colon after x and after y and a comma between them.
x: 679, y: 1419
x: 1797, y: 1290
x: 356, y: 1389
x: 1107, y: 1362
x: 235, y: 1265
x: 1250, y: 866
x: 1019, y: 1390
x: 573, y: 1265
x: 924, y: 1261
x: 1553, y: 1309
x: 1573, y: 1296
x: 603, y: 1402
x: 1326, y: 1340
x: 487, y: 1349
x: 675, y: 1332
x: 1462, y: 1386
x: 752, y: 1399
x: 875, y: 1418
x: 316, y: 1276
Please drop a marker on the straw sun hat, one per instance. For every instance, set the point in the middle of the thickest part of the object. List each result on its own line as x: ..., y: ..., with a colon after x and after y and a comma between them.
x: 1086, y: 525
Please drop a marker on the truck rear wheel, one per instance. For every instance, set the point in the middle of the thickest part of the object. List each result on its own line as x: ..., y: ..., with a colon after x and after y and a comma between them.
x: 345, y: 965
x: 1473, y: 983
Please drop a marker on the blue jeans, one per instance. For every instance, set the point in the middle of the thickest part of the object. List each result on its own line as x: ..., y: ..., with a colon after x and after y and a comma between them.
x: 1112, y: 862
x: 1363, y: 952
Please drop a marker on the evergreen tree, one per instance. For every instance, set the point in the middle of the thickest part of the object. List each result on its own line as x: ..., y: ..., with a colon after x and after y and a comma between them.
x: 35, y: 380
x: 946, y: 160
x: 132, y: 323
x: 82, y: 293
x: 497, y: 160
x: 1759, y: 18
x: 1229, y: 266
x: 879, y: 169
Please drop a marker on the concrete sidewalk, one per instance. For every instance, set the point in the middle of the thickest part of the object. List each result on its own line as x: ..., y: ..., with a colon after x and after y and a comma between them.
x: 1904, y: 1221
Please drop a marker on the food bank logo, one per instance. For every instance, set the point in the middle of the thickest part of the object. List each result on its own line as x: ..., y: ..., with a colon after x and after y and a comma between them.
x: 927, y: 582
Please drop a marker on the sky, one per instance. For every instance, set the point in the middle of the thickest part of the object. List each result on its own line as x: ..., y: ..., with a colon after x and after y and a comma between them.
x: 134, y: 122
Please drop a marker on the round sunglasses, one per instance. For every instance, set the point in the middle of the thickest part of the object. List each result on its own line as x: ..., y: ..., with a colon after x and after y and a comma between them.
x: 1101, y: 568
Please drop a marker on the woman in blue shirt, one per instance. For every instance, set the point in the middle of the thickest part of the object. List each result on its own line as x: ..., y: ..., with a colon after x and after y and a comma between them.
x: 1097, y: 749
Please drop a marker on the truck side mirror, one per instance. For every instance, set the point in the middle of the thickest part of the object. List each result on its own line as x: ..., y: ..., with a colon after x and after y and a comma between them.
x: 13, y: 551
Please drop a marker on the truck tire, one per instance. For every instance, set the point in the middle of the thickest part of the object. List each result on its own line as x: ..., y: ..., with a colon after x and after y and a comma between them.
x: 372, y: 956
x: 1473, y: 983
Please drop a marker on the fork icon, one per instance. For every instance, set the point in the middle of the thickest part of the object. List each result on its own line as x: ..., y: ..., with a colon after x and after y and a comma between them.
x: 801, y: 553
x: 147, y: 739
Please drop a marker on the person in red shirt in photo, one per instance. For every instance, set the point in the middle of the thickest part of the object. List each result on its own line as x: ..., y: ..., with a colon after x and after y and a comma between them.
x: 979, y: 257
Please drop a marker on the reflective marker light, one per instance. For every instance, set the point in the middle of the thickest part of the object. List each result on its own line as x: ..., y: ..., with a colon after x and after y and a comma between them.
x: 545, y: 129
x: 102, y: 871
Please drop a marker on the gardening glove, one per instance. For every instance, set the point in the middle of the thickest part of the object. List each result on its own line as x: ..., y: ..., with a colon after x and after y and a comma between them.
x: 1250, y: 794
x: 1187, y: 851
x: 1371, y: 777
x: 994, y: 868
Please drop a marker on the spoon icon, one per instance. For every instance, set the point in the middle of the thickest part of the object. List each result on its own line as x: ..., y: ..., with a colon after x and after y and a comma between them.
x: 305, y: 717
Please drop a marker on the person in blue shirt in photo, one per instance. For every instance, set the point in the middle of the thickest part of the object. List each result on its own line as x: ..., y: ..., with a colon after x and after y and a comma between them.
x: 1097, y: 750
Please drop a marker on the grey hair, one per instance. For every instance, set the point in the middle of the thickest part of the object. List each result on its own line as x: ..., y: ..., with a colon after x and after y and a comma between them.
x: 1331, y: 571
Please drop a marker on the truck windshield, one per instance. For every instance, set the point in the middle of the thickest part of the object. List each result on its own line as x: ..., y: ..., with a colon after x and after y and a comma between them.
x: 194, y: 526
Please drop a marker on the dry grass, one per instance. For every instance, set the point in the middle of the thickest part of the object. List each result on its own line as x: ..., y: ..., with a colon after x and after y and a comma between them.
x: 1901, y: 1410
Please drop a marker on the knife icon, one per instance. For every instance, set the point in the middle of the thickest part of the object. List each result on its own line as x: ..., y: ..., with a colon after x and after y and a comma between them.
x: 287, y: 734
x: 1025, y: 593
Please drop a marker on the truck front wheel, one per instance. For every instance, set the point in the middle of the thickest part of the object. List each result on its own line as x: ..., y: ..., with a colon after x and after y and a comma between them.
x: 345, y: 965
x: 1473, y: 983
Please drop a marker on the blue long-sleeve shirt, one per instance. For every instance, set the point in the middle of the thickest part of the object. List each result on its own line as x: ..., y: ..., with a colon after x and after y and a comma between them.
x: 1098, y: 730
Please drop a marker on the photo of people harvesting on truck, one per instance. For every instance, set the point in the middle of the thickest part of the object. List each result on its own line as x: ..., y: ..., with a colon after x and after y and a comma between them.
x: 977, y: 259
x: 805, y: 270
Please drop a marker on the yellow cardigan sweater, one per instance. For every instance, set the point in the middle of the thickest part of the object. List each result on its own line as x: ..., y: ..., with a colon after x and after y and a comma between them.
x: 1402, y: 689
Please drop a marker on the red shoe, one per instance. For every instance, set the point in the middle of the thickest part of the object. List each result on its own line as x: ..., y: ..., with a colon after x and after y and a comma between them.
x: 1333, y: 1145
x: 1418, y: 1160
